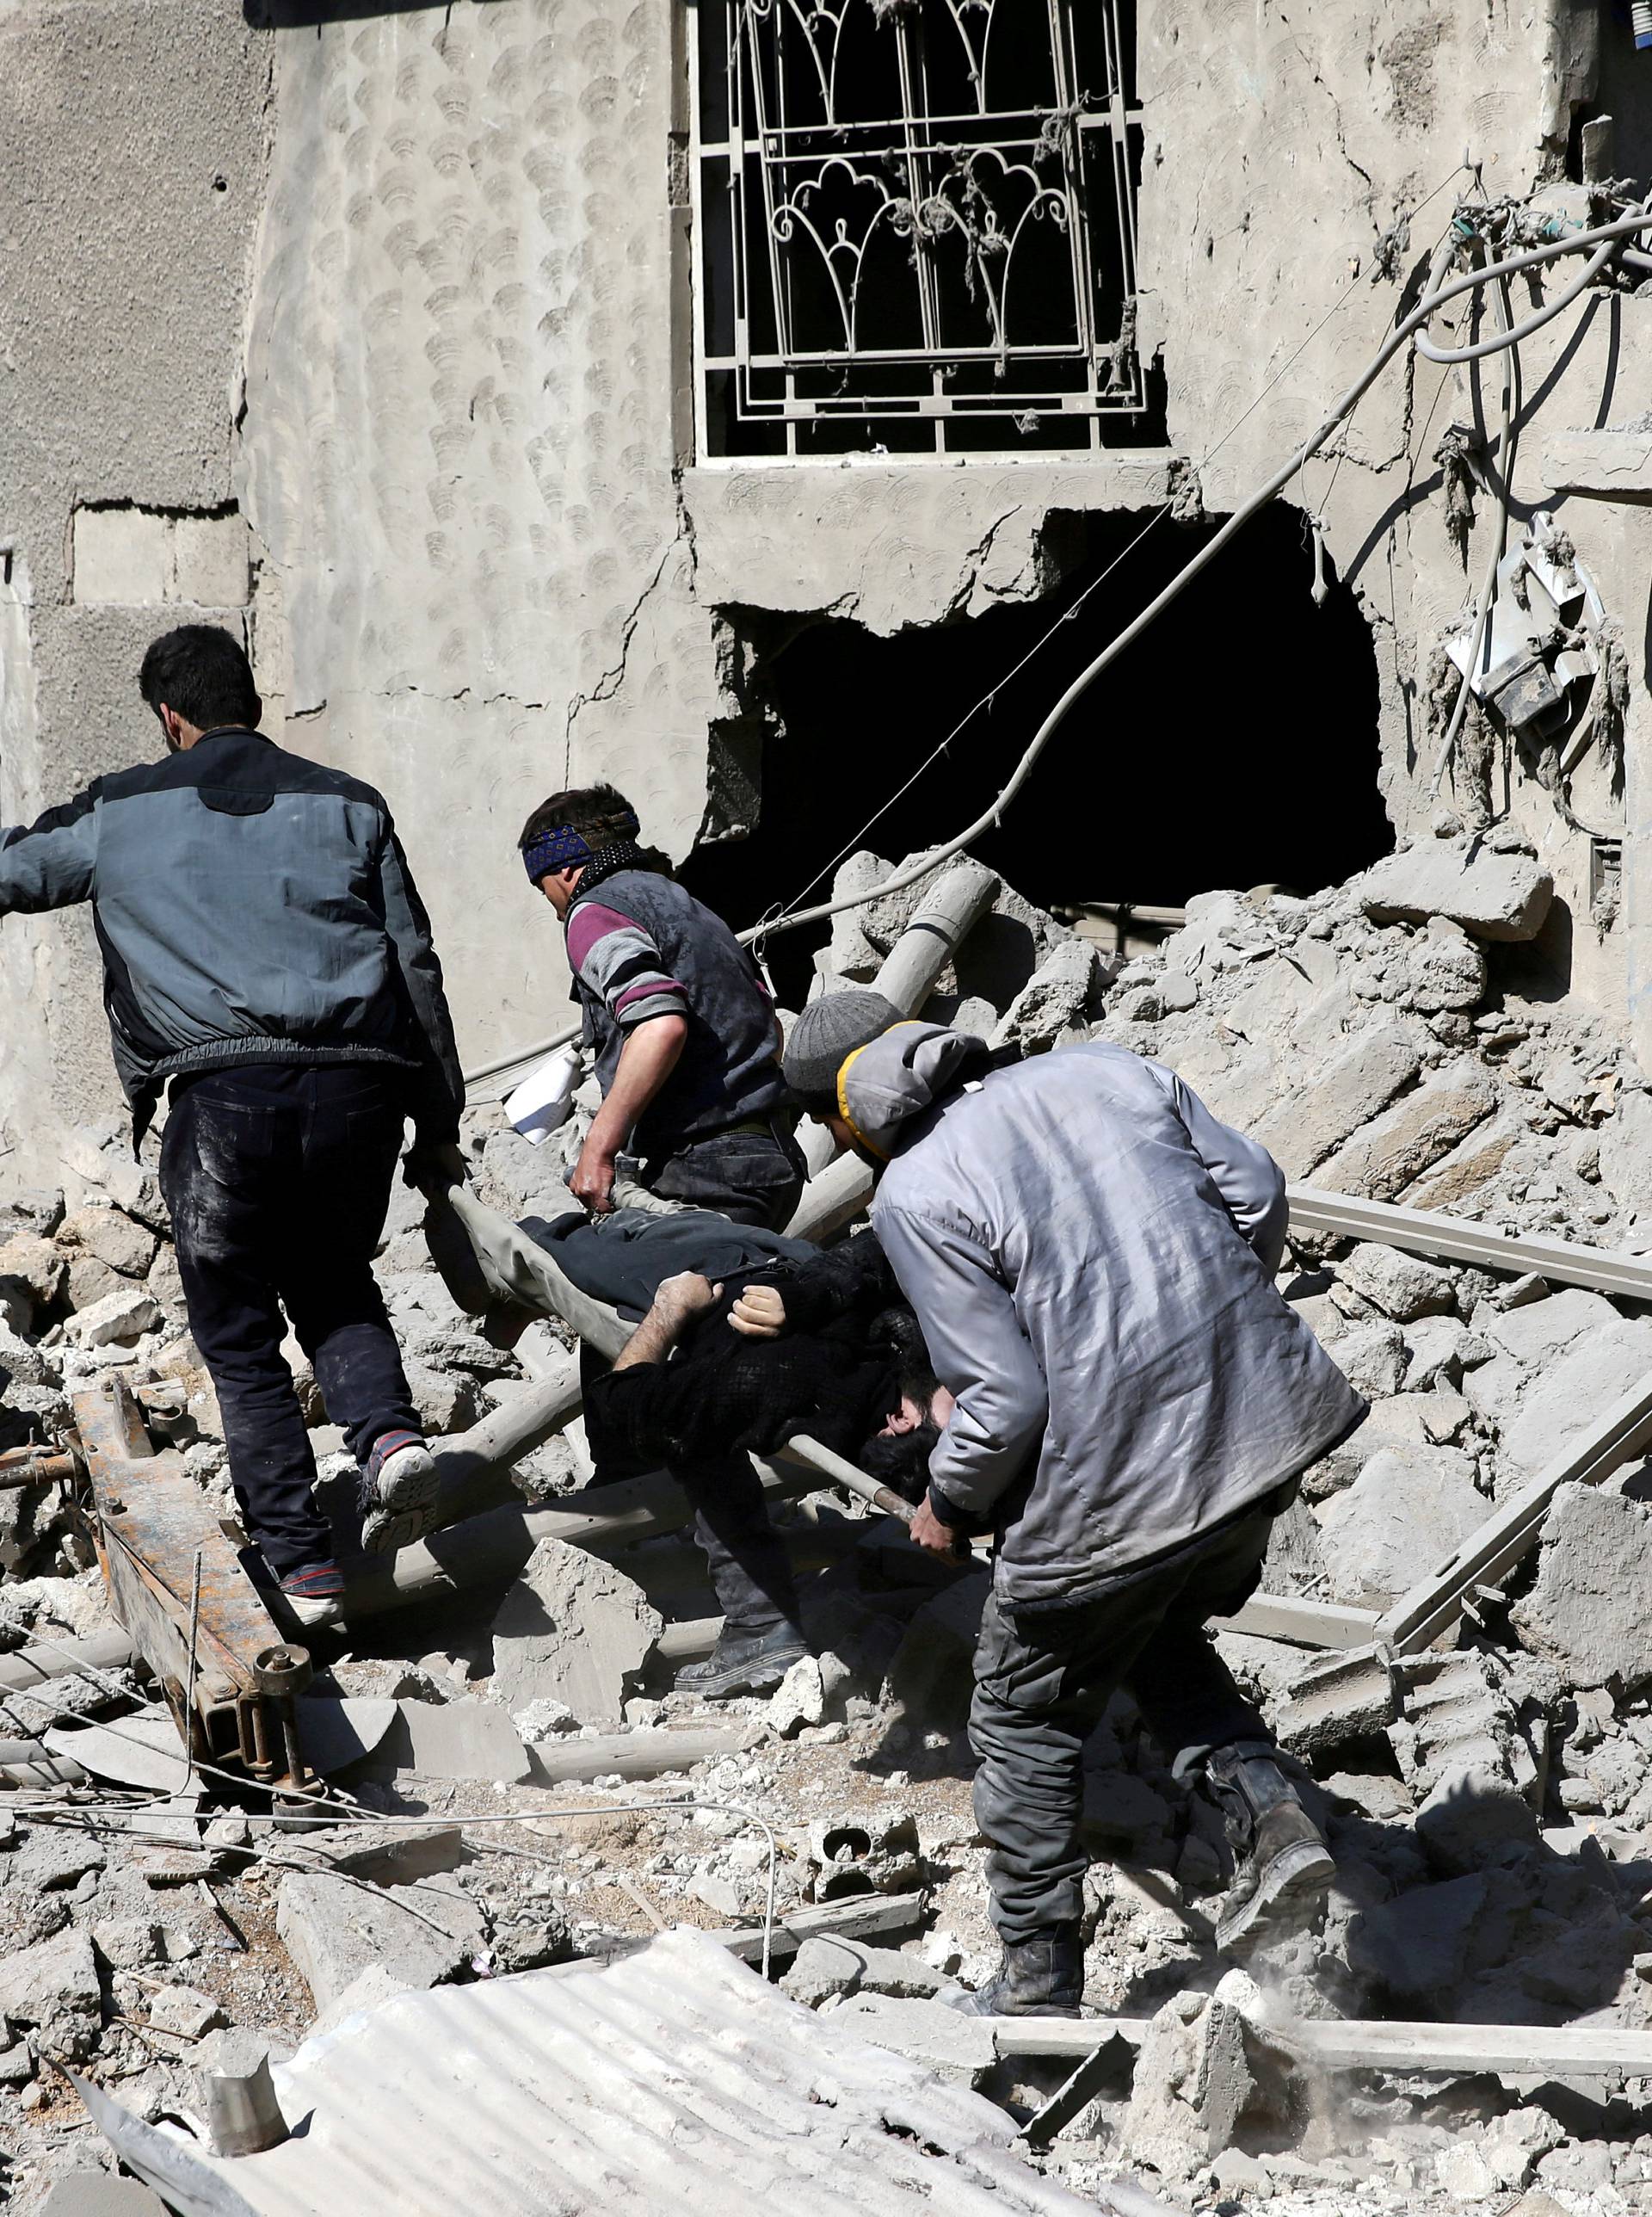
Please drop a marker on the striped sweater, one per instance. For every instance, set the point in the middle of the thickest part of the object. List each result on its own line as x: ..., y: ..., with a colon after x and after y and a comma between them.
x: 640, y: 946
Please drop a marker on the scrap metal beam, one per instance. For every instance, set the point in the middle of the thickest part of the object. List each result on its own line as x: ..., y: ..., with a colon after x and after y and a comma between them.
x: 1536, y: 2051
x: 178, y: 1587
x: 1434, y: 1604
x: 36, y: 1467
x: 1451, y: 1239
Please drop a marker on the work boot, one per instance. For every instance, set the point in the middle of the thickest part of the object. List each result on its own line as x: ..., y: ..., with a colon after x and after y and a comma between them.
x: 314, y: 1593
x: 399, y: 1491
x: 743, y: 1663
x: 1280, y: 1858
x: 1043, y: 1976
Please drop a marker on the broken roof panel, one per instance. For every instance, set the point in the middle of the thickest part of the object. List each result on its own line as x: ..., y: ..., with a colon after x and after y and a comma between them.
x: 674, y: 2081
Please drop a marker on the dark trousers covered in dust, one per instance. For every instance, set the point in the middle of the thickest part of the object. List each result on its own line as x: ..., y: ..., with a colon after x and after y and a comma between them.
x: 278, y: 1178
x: 1042, y: 1681
x: 754, y: 1174
x: 751, y: 1570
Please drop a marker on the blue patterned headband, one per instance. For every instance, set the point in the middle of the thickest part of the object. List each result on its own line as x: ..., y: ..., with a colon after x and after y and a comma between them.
x: 561, y: 848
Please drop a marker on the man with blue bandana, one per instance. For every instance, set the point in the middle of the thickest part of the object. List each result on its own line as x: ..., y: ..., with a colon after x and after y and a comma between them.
x: 684, y: 1034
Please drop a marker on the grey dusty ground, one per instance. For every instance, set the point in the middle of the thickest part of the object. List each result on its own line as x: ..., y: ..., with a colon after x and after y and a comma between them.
x: 1489, y: 1803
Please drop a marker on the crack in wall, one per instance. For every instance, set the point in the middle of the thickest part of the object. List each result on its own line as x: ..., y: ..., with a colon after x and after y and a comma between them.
x: 1363, y: 174
x: 972, y: 563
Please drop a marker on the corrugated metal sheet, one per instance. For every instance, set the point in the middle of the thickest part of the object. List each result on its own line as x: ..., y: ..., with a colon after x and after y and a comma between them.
x: 675, y: 2081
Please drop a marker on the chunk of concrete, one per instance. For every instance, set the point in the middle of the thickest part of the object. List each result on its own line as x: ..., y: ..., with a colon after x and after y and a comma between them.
x: 1444, y: 968
x: 1469, y: 1167
x: 1625, y: 1156
x: 98, y: 2194
x: 1535, y: 1331
x: 54, y: 1986
x: 1403, y: 1286
x: 1492, y: 895
x: 955, y: 2047
x: 456, y: 1739
x: 574, y: 1628
x: 1474, y: 1816
x: 1415, y: 1948
x: 335, y: 1929
x: 1408, y: 1140
x: 799, y: 1699
x: 37, y: 1264
x: 412, y: 1851
x: 1192, y: 2083
x: 1568, y: 1397
x: 116, y: 1320
x: 1373, y: 1358
x: 1338, y: 1700
x: 1408, y: 1510
x: 1317, y: 1117
x: 1433, y: 1347
x: 185, y: 2011
x: 129, y: 1942
x: 1587, y: 1610
x: 826, y: 1965
x: 112, y: 1238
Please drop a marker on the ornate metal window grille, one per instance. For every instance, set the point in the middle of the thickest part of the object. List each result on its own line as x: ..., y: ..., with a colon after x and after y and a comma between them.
x: 915, y: 225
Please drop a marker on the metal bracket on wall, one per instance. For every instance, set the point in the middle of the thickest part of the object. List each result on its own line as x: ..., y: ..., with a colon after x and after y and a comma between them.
x: 149, y: 1524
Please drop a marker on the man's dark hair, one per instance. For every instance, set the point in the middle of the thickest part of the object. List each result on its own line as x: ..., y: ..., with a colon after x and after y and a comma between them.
x: 602, y: 817
x: 902, y: 1462
x: 599, y: 813
x: 202, y: 674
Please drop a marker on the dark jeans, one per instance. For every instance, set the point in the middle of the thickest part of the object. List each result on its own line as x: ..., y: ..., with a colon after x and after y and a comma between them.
x: 750, y: 1571
x: 278, y: 1178
x: 755, y: 1177
x: 1042, y: 1681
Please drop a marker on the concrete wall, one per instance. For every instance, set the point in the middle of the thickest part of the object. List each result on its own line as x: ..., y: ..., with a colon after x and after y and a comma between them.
x: 396, y: 292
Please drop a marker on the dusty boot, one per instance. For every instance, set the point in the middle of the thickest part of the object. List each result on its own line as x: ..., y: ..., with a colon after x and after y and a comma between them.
x: 1040, y: 1977
x: 743, y: 1663
x: 1280, y: 1858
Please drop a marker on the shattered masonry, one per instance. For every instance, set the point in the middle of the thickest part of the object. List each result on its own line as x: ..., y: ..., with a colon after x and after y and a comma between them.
x: 1489, y: 1803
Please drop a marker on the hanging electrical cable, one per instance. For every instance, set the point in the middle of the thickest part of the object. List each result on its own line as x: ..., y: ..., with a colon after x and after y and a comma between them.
x: 1599, y: 241
x: 1504, y: 479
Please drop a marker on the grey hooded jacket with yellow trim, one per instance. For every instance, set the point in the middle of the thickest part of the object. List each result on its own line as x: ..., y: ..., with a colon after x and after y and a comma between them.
x: 1091, y: 1256
x: 251, y: 906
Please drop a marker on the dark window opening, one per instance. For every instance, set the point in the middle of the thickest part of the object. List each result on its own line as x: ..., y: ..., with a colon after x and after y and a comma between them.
x: 916, y: 227
x: 1235, y: 744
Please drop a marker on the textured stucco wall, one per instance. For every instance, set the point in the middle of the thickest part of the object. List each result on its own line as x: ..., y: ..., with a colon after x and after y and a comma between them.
x: 426, y: 338
x: 132, y: 157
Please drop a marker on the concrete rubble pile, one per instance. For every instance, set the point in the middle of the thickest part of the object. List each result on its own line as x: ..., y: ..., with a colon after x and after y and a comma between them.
x: 1489, y: 1800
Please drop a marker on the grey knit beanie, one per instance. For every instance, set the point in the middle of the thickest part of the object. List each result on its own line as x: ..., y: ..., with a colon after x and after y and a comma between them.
x: 827, y: 1034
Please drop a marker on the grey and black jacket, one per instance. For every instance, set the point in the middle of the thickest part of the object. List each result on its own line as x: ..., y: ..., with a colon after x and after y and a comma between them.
x: 251, y: 906
x: 1091, y: 1257
x: 639, y: 945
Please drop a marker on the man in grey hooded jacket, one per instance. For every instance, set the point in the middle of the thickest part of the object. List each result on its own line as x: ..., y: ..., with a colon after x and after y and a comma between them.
x: 1091, y: 1257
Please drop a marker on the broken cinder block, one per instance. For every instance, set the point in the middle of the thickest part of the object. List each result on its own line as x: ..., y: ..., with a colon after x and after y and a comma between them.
x: 1339, y: 1699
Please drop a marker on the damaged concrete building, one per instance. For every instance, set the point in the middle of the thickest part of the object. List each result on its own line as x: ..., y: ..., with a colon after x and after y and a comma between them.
x: 775, y: 407
x: 539, y: 410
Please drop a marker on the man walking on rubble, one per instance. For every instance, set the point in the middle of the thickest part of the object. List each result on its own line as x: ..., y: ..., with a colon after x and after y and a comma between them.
x: 686, y: 1037
x: 266, y: 955
x: 1090, y: 1255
